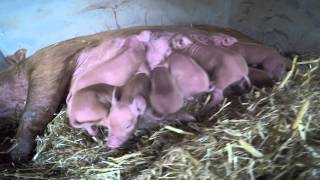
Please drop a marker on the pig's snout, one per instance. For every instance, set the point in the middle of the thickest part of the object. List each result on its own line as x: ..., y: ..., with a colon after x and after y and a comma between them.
x: 115, y: 142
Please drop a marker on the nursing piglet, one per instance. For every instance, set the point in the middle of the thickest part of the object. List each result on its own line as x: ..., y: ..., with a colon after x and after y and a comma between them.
x: 137, y: 48
x: 257, y: 55
x: 224, y: 67
x: 190, y: 77
x: 88, y: 106
x: 124, y: 113
x: 158, y: 48
x: 119, y: 69
x: 165, y: 96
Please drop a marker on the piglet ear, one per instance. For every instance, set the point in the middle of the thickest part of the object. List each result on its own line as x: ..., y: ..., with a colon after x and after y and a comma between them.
x: 138, y: 105
x: 180, y: 41
x: 114, y: 100
x: 186, y: 40
x: 229, y: 41
x: 144, y: 36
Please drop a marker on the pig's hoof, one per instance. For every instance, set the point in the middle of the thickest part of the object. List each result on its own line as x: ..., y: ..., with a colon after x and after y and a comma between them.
x: 21, y: 152
x: 186, y: 117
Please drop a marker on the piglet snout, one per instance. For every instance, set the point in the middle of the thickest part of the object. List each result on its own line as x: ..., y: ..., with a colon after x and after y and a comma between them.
x: 114, y: 142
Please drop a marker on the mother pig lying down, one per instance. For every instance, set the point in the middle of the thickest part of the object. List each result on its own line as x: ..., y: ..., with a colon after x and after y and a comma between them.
x: 89, y: 69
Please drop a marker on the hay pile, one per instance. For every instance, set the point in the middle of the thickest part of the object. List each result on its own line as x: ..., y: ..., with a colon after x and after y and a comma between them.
x: 267, y: 134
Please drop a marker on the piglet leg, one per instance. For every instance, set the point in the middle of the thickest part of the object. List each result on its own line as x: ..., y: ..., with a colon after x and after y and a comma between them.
x: 260, y: 78
x: 91, y: 129
x: 181, y: 116
x: 217, y: 99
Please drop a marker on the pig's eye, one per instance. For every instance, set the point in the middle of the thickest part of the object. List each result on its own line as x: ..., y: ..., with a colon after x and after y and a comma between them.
x: 129, y: 126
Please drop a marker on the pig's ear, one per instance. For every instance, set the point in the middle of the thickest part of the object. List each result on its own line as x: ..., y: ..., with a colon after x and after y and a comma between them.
x: 186, y: 40
x: 114, y: 100
x: 138, y: 105
x: 224, y: 39
x: 144, y: 36
x: 18, y: 56
x: 229, y: 41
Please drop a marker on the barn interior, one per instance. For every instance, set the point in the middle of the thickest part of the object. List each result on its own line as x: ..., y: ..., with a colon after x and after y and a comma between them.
x: 268, y: 133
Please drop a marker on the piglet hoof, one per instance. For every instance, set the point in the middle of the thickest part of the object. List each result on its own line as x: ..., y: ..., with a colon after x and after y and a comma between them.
x: 190, y: 98
x: 91, y: 130
x: 187, y: 117
x: 22, y: 151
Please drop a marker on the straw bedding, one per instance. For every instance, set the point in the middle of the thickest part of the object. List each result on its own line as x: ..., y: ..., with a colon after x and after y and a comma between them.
x: 266, y: 134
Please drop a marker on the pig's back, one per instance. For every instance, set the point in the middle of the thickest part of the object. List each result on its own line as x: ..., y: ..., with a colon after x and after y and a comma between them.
x: 139, y: 84
x: 165, y: 96
x: 190, y: 77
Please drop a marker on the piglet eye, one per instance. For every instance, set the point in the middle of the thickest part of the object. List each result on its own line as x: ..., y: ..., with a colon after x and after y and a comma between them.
x: 130, y: 125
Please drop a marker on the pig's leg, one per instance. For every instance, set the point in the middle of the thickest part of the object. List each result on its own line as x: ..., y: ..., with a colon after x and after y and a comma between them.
x: 275, y: 69
x: 211, y: 106
x: 217, y: 97
x: 45, y: 93
x: 260, y: 78
x: 181, y: 116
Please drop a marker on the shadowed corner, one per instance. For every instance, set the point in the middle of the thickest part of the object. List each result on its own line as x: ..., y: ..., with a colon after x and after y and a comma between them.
x: 7, y: 132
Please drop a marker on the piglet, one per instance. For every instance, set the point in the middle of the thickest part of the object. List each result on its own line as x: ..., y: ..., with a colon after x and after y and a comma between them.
x: 117, y: 71
x: 158, y: 47
x: 190, y: 77
x: 224, y: 66
x: 88, y: 106
x: 257, y: 55
x: 124, y: 113
x: 165, y: 96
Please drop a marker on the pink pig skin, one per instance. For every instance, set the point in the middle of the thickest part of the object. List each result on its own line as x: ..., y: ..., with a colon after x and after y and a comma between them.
x: 224, y: 66
x: 258, y: 55
x: 165, y: 96
x: 190, y: 77
x: 123, y: 116
x: 117, y: 71
x: 159, y: 48
x: 88, y: 106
